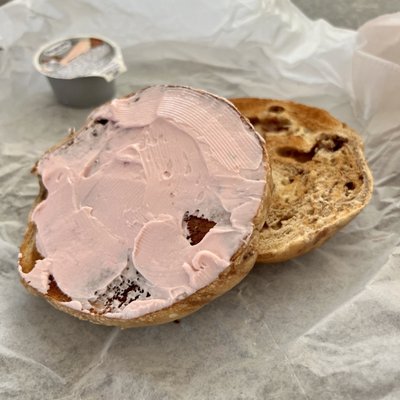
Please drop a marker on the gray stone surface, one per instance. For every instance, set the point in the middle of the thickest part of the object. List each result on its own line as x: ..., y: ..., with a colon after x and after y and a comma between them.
x: 344, y: 13
x: 347, y: 13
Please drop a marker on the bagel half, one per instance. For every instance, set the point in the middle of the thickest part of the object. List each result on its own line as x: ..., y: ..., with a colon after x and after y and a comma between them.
x: 321, y: 179
x: 93, y: 250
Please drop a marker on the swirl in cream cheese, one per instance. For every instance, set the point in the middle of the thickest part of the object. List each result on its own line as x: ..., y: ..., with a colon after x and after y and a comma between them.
x: 121, y: 191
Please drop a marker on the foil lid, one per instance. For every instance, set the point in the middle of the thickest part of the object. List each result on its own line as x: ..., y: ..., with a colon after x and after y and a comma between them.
x: 80, y: 57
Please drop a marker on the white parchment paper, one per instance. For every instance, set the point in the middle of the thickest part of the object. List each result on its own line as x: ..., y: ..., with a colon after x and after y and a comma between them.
x: 323, y: 326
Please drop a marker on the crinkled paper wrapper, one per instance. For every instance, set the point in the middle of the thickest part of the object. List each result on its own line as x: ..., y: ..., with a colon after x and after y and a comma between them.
x: 322, y: 326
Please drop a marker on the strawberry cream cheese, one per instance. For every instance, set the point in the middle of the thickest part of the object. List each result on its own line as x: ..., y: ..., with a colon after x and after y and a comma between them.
x: 118, y: 195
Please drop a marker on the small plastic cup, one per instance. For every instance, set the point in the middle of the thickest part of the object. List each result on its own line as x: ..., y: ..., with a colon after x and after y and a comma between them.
x: 81, y: 70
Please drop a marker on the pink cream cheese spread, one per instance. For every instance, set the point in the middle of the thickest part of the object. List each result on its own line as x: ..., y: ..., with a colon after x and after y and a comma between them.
x: 112, y: 228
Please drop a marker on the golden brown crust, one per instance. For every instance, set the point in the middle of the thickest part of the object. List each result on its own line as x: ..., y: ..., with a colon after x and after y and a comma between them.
x: 242, y: 263
x: 321, y: 179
